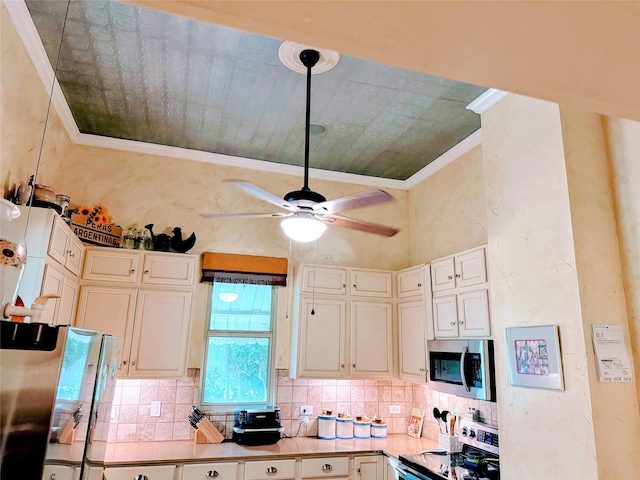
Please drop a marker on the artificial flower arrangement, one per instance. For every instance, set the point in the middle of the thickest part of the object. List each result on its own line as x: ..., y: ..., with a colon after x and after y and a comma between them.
x: 97, y: 214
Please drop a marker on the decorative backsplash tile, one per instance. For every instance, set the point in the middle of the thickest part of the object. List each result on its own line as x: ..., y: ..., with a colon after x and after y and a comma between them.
x: 131, y: 420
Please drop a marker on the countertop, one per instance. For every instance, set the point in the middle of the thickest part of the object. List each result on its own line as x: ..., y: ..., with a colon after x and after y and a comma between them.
x: 187, y: 451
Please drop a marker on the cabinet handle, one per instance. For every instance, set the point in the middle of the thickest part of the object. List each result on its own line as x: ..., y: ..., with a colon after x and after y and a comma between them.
x: 71, y: 254
x: 423, y: 369
x: 140, y: 477
x: 271, y: 471
x: 326, y: 467
x: 211, y: 474
x: 449, y: 277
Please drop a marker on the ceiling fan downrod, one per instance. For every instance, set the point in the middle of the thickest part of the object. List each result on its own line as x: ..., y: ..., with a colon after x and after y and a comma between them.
x: 309, y: 58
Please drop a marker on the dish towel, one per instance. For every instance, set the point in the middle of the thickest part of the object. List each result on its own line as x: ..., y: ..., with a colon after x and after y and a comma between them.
x: 410, y: 476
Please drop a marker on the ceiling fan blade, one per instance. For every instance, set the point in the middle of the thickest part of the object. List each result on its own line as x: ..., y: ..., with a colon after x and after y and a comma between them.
x: 362, y: 226
x: 252, y: 189
x: 358, y: 200
x: 245, y: 215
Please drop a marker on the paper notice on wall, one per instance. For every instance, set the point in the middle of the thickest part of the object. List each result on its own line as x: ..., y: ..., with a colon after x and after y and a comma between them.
x: 611, y: 354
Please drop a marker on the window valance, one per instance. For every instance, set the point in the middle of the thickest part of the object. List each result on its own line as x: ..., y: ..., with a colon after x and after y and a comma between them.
x: 249, y: 269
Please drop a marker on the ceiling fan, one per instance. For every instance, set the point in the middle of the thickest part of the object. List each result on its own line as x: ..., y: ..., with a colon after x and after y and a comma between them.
x: 308, y: 212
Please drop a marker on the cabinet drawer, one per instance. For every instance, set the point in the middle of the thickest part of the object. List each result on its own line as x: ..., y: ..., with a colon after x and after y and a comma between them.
x: 367, y: 283
x: 57, y: 472
x: 219, y: 471
x: 268, y: 469
x: 148, y: 472
x: 325, y: 467
x: 328, y: 280
x: 111, y: 266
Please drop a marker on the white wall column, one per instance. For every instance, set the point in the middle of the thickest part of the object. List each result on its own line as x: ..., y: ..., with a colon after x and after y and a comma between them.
x: 553, y: 257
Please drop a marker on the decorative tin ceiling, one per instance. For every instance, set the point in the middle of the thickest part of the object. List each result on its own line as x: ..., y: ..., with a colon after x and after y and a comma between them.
x: 137, y: 74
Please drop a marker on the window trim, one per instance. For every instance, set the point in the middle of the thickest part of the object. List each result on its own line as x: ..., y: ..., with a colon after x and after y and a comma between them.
x: 271, y: 372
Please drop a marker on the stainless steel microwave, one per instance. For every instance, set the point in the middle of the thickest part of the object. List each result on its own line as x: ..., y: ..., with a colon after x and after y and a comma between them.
x: 462, y: 367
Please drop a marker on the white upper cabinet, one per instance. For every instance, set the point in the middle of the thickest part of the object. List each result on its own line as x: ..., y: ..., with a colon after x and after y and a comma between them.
x: 321, y: 279
x: 112, y: 265
x: 412, y: 333
x: 411, y: 282
x: 371, y: 283
x: 371, y: 354
x: 457, y: 271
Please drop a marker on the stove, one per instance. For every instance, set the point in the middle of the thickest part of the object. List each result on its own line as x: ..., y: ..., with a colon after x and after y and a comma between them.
x: 478, y: 460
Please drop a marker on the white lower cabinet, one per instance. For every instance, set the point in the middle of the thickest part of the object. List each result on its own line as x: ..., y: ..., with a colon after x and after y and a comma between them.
x: 216, y: 470
x: 60, y: 472
x: 369, y: 467
x: 270, y: 469
x: 330, y: 467
x: 143, y: 472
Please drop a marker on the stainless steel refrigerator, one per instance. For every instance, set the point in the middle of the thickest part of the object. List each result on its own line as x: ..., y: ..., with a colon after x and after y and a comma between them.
x: 48, y: 380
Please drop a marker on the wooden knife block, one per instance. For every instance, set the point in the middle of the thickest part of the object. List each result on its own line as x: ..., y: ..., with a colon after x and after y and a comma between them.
x: 207, y: 433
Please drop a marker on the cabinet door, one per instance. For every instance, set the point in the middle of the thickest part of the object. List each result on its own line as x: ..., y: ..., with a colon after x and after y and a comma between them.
x: 111, y: 265
x: 67, y: 308
x: 60, y: 237
x: 110, y: 310
x: 75, y: 249
x: 160, y: 334
x: 324, y: 280
x: 390, y: 464
x: 151, y: 472
x: 471, y: 268
x: 52, y: 282
x: 445, y: 316
x: 413, y: 347
x: 473, y: 314
x: 369, y: 467
x: 217, y: 471
x: 371, y: 354
x: 322, y: 341
x: 371, y: 283
x: 410, y: 282
x: 168, y: 269
x: 443, y: 274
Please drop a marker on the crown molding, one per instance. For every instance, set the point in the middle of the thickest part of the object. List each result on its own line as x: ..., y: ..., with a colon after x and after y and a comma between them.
x: 445, y: 159
x: 29, y: 35
x: 486, y: 100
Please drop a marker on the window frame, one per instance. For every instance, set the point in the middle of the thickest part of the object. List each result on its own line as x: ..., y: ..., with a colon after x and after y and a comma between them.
x: 271, y: 335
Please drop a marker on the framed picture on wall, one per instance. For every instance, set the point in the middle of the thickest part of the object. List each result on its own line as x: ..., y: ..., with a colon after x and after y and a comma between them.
x: 534, y: 357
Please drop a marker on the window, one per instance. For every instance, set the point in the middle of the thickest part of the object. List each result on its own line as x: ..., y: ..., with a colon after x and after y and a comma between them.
x: 239, y: 345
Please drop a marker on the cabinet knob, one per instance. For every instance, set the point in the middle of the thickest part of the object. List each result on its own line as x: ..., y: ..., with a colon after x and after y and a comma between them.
x: 423, y: 369
x: 140, y: 477
x: 460, y: 322
x: 353, y: 365
x: 133, y: 270
x: 449, y: 277
x: 70, y: 253
x: 133, y: 364
x: 419, y: 285
x: 271, y: 471
x: 326, y: 467
x: 457, y: 275
x: 452, y: 323
x: 342, y: 365
x: 146, y: 272
x: 211, y: 474
x: 53, y: 476
x: 124, y: 362
x: 344, y: 285
x: 355, y: 286
x: 358, y: 470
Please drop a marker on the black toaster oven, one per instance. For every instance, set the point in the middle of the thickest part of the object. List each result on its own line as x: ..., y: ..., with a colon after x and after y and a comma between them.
x: 257, y: 425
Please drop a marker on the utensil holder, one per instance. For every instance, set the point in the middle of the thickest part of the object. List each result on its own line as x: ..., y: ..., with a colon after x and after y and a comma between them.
x: 450, y: 444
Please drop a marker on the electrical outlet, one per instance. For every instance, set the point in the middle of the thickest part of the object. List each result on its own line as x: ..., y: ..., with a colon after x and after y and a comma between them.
x: 329, y: 259
x: 306, y: 410
x: 394, y: 408
x: 155, y: 409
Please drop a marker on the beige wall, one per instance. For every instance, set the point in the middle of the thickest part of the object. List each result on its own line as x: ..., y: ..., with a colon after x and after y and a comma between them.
x: 446, y: 211
x: 553, y: 260
x: 623, y: 146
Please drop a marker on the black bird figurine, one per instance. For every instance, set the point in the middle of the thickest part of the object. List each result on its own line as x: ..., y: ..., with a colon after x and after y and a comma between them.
x: 180, y: 245
x: 161, y: 242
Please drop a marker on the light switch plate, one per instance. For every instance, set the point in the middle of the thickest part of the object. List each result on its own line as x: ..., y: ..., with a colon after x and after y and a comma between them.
x: 155, y: 408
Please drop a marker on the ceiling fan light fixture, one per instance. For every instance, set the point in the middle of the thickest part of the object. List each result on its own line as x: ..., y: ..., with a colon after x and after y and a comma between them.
x: 303, y: 227
x: 228, y: 297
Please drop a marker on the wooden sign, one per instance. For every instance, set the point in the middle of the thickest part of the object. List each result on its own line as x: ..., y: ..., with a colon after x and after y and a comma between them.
x: 95, y: 233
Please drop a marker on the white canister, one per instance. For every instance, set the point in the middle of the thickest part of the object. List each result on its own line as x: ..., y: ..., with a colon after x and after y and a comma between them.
x: 344, y: 428
x: 362, y: 428
x: 379, y: 430
x: 326, y: 427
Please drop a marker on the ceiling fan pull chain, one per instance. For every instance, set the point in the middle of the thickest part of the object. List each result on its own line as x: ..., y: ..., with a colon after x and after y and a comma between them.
x: 313, y: 287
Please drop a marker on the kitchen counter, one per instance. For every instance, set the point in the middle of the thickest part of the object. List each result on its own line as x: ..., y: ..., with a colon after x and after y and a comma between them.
x: 187, y: 451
